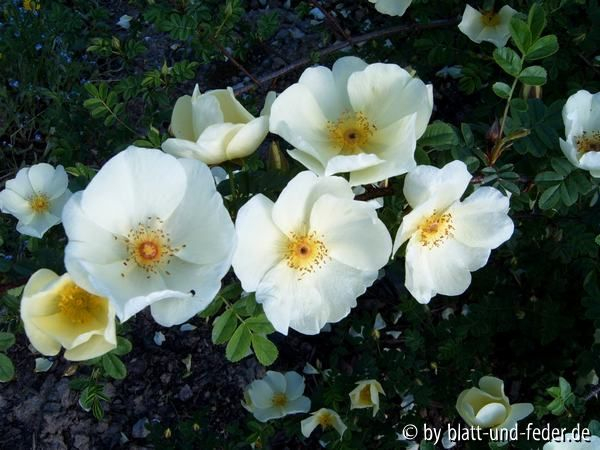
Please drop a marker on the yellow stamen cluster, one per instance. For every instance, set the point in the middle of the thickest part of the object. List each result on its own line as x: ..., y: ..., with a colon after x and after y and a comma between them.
x: 305, y: 252
x: 79, y: 306
x: 490, y: 19
x: 351, y: 133
x: 279, y: 400
x: 39, y: 203
x: 435, y: 230
x: 149, y: 246
x: 365, y: 395
x: 588, y: 142
x: 325, y: 419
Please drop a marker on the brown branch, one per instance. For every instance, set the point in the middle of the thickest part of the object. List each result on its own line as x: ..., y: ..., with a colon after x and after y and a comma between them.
x: 342, y: 45
x: 235, y: 62
x: 333, y: 22
x: 375, y: 193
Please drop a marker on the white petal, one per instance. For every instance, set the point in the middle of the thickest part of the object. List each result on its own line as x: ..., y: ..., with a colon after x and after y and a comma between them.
x: 291, y: 211
x: 306, y: 303
x: 570, y: 151
x: 206, y: 111
x: 392, y: 7
x: 38, y: 224
x: 497, y: 35
x: 493, y: 386
x: 181, y: 119
x: 211, y: 146
x: 386, y: 93
x: 174, y: 311
x: 441, y: 270
x: 87, y: 240
x: 260, y: 242
x: 342, y: 69
x: 294, y: 385
x: 308, y: 161
x: 590, y: 160
x: 96, y: 346
x: 13, y: 203
x: 276, y: 380
x: 248, y: 138
x: 201, y: 226
x: 297, y: 117
x: 182, y: 148
x: 491, y: 415
x: 269, y: 99
x: 232, y: 109
x: 350, y: 163
x: 308, y: 425
x: 396, y: 145
x: 520, y: 410
x: 471, y: 23
x: 482, y: 220
x: 266, y: 414
x: 298, y: 405
x: 352, y: 232
x: 47, y: 180
x: 322, y: 85
x: 125, y: 191
x: 21, y: 184
x: 261, y: 394
x: 446, y: 185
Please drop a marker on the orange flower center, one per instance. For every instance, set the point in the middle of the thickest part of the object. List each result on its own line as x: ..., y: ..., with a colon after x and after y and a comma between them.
x: 351, y: 133
x: 80, y: 306
x: 305, y: 252
x: 490, y: 19
x: 39, y: 203
x: 588, y: 142
x: 435, y: 229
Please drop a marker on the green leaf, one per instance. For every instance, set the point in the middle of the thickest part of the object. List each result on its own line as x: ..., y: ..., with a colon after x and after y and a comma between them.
x: 549, y: 197
x: 239, y: 344
x: 508, y: 60
x: 534, y: 76
x: 502, y: 90
x: 568, y: 193
x: 223, y: 327
x: 113, y: 366
x: 7, y: 369
x: 260, y: 324
x: 536, y: 21
x: 520, y: 34
x: 543, y: 47
x: 549, y: 176
x: 439, y: 135
x: 266, y: 352
x: 7, y: 340
x: 123, y: 346
x: 562, y: 166
x: 214, y: 306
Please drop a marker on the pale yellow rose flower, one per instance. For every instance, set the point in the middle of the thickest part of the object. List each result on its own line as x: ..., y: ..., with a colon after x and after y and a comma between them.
x: 489, y: 407
x: 58, y: 313
x: 366, y: 395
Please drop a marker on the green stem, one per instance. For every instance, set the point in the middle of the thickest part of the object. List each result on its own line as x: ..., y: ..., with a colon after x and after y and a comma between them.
x: 117, y: 117
x: 230, y: 306
x: 505, y: 115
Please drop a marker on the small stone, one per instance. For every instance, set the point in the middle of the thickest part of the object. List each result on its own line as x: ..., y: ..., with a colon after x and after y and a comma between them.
x: 139, y: 430
x: 185, y: 393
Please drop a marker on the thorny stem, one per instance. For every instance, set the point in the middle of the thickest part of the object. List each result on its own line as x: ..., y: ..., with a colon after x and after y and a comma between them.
x: 593, y: 393
x: 342, y: 45
x: 500, y: 145
x: 235, y: 61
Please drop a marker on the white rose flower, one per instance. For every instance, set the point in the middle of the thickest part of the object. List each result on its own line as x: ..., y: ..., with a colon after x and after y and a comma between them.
x: 326, y: 418
x: 36, y: 197
x: 392, y: 7
x: 357, y: 118
x: 309, y: 255
x: 581, y: 115
x: 448, y: 238
x: 569, y: 443
x: 276, y: 396
x: 489, y: 407
x: 57, y: 313
x: 366, y: 395
x: 150, y: 229
x: 488, y: 26
x: 214, y: 127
